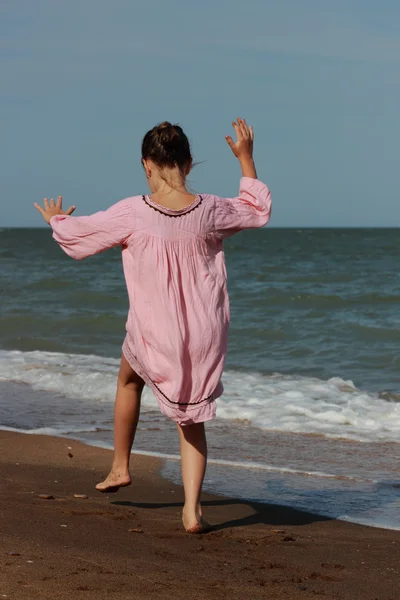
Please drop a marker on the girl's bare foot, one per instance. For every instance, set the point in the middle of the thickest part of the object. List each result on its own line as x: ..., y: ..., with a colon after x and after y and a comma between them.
x: 114, y: 481
x: 198, y: 526
x: 194, y: 523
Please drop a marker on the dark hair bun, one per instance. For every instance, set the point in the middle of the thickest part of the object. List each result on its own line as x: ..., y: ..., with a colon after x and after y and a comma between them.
x: 167, y: 146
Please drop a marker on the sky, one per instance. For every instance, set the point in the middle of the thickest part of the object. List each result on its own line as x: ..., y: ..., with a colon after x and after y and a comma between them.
x: 82, y: 81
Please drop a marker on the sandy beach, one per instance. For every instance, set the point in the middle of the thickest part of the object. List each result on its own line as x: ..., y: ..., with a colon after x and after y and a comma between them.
x: 132, y: 545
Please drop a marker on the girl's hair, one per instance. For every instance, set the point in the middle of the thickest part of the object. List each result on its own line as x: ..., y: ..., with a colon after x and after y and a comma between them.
x: 167, y: 146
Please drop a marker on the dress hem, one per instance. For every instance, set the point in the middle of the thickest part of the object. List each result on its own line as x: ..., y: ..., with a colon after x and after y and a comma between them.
x: 205, y: 410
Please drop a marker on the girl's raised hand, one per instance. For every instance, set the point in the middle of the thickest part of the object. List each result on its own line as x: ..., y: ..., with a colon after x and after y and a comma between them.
x: 243, y: 148
x: 51, y: 209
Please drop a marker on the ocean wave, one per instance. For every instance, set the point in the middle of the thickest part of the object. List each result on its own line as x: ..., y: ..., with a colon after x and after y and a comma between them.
x: 333, y: 408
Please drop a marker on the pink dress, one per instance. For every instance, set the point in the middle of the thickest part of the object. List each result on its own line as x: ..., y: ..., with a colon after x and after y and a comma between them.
x: 174, y: 266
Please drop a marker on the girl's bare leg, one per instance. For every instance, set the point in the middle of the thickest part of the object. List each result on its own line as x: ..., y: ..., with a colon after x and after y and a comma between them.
x: 126, y: 416
x: 193, y: 461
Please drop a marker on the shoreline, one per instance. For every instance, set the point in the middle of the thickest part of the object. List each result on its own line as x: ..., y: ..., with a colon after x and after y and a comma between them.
x: 132, y: 544
x: 239, y: 479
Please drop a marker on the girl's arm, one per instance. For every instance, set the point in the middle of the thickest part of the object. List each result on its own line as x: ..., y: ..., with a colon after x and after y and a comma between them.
x: 249, y: 210
x: 252, y: 207
x: 80, y: 237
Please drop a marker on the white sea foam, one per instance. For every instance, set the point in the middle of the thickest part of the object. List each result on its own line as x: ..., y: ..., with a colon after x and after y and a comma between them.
x: 72, y: 432
x: 333, y: 408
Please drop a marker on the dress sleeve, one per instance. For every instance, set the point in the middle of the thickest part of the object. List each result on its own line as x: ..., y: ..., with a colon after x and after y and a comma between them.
x: 80, y: 237
x: 251, y: 209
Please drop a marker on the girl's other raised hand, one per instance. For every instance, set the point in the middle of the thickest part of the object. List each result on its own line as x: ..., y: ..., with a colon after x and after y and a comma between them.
x: 243, y: 147
x: 51, y: 209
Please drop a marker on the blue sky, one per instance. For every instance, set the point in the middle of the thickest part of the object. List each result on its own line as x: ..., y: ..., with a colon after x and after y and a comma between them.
x: 82, y: 81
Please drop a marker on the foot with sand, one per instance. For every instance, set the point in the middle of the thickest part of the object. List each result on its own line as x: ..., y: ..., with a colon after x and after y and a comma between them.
x: 114, y: 480
x: 194, y: 523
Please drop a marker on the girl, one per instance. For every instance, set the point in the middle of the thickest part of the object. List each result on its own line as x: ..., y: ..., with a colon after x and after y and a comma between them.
x: 177, y: 327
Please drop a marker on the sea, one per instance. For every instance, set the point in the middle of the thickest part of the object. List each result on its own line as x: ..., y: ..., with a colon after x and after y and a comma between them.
x: 310, y: 417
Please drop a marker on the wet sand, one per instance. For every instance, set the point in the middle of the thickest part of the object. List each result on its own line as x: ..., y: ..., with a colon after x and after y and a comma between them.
x: 132, y: 545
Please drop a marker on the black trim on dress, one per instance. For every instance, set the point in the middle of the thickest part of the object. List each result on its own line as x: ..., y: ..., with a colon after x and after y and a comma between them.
x: 179, y: 214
